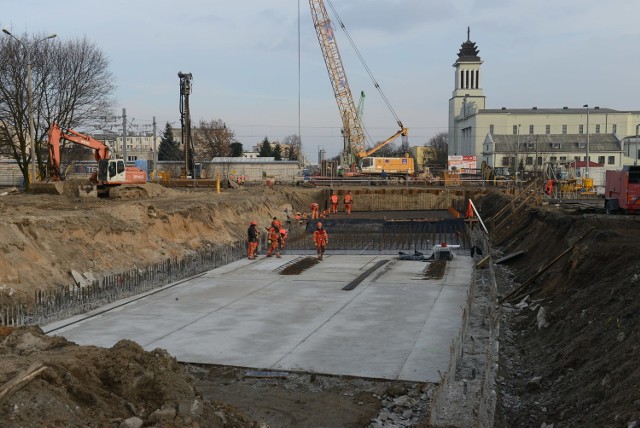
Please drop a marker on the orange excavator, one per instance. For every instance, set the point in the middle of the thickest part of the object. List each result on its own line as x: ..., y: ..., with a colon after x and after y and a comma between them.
x: 113, y: 179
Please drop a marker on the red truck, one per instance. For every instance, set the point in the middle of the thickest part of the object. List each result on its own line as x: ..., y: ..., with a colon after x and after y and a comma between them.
x: 622, y: 190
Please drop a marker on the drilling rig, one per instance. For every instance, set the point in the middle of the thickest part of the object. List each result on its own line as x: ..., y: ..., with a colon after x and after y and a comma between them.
x: 185, y: 121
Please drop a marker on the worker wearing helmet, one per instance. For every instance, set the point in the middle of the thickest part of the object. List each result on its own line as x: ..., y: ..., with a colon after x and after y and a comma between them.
x: 253, y: 236
x: 315, y: 210
x: 276, y: 223
x: 321, y: 238
x: 334, y: 203
x: 274, y: 241
x: 283, y: 238
x: 348, y: 201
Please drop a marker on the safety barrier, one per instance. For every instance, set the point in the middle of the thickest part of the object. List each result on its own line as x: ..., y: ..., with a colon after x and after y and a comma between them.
x: 53, y: 305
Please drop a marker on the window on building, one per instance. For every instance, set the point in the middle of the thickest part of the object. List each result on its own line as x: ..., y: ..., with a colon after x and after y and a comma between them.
x: 576, y: 158
x: 531, y: 129
x: 539, y: 160
x: 132, y: 158
x: 529, y: 160
x: 597, y: 129
x: 614, y: 128
x: 563, y: 158
x: 611, y: 160
x: 547, y: 129
x: 505, y: 161
x: 582, y: 145
x: 553, y: 159
x: 531, y: 145
x: 515, y: 129
x: 564, y: 129
x: 555, y: 145
x: 581, y: 129
x: 601, y: 160
x: 491, y: 129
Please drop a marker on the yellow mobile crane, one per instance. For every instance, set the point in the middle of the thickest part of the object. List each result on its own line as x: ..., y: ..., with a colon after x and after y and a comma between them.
x: 353, y: 133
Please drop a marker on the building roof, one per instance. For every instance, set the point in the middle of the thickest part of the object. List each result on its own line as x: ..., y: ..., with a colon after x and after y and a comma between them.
x: 563, y: 110
x: 230, y: 159
x: 468, y: 51
x: 583, y: 164
x: 567, y: 143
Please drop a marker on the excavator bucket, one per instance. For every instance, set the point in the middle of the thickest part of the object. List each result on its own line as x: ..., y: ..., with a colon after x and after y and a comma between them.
x: 50, y: 188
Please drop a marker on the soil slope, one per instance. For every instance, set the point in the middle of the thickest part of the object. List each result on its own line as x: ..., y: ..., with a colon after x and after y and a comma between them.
x: 44, y: 237
x: 569, y: 351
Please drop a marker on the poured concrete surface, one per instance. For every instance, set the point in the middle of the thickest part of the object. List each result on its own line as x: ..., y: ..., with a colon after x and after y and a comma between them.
x: 393, y: 325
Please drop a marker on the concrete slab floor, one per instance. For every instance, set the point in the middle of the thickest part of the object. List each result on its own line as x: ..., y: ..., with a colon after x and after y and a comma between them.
x: 393, y: 325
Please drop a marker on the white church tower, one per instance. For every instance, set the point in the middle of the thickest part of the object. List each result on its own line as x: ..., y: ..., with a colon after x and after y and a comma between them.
x: 466, y: 100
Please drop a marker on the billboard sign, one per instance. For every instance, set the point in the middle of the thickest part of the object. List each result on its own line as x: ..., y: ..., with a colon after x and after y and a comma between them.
x: 462, y: 163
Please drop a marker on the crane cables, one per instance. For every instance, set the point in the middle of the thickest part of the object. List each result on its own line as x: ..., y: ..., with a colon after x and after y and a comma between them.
x: 355, y: 48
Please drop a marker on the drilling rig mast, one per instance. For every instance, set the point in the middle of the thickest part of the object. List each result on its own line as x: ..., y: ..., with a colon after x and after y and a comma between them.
x: 185, y: 121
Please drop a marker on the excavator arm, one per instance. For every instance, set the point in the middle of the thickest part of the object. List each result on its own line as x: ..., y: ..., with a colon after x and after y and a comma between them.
x: 100, y: 150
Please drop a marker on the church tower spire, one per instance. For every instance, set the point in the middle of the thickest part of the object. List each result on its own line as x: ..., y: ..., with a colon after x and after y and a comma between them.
x: 468, y: 67
x: 467, y: 98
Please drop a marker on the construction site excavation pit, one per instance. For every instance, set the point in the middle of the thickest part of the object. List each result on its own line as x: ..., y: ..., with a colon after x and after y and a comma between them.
x: 298, y: 314
x: 368, y: 311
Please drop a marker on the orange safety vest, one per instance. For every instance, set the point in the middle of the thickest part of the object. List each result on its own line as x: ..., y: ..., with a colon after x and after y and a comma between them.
x: 334, y: 199
x: 274, y: 235
x: 348, y: 199
x: 320, y: 236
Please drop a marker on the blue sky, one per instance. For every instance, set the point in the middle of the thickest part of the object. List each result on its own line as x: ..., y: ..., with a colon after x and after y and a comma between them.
x: 244, y: 59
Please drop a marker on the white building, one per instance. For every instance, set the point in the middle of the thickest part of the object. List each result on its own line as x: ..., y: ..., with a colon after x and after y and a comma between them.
x: 530, y: 137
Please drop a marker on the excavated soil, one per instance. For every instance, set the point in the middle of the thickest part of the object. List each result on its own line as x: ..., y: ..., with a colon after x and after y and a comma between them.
x: 569, y: 345
x: 570, y: 340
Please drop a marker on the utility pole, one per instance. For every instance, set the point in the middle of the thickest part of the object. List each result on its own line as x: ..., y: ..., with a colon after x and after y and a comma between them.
x: 517, y: 148
x: 587, y: 159
x: 636, y: 161
x: 124, y: 135
x: 155, y: 152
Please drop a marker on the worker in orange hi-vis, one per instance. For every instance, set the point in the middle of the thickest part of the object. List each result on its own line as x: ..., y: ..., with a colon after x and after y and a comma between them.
x: 315, y: 210
x: 274, y: 242
x: 321, y: 239
x: 253, y: 235
x: 276, y: 223
x: 283, y: 238
x: 334, y: 203
x: 348, y: 201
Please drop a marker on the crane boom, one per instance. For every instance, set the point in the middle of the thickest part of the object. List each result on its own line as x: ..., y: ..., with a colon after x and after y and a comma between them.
x: 353, y: 134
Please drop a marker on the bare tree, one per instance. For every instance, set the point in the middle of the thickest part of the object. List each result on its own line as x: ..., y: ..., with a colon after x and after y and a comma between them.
x: 437, y: 151
x: 294, y: 147
x: 213, y: 139
x: 72, y: 86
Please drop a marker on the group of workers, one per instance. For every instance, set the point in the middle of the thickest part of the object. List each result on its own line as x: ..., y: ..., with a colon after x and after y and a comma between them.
x: 277, y: 237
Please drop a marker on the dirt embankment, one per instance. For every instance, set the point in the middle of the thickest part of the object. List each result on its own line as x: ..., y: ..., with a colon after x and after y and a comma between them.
x: 570, y: 352
x: 44, y: 237
x: 48, y: 381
